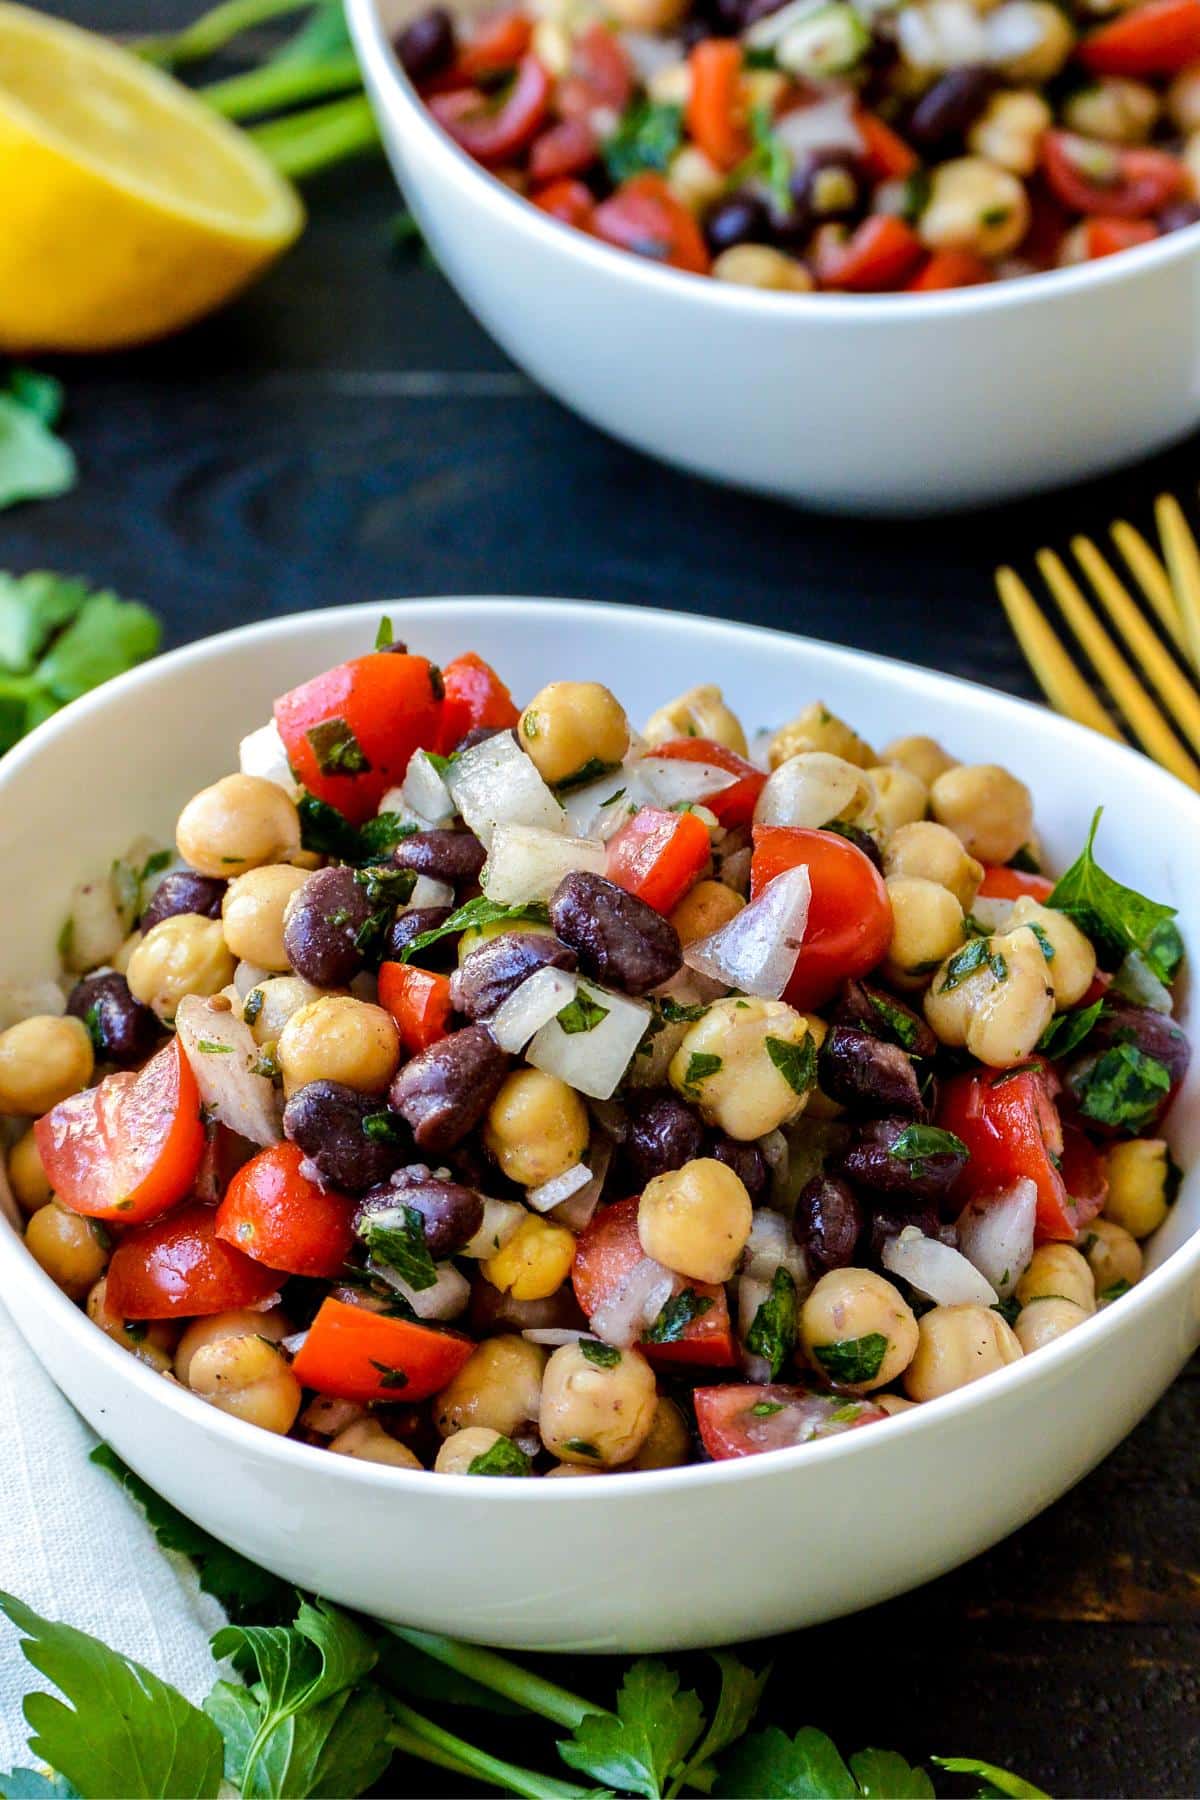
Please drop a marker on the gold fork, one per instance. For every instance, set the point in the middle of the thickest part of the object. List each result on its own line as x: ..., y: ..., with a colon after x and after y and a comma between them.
x: 1169, y: 657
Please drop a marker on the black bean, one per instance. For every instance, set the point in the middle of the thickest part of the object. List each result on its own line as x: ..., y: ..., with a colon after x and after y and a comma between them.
x: 412, y: 924
x: 1153, y: 1033
x: 947, y: 110
x: 619, y: 939
x: 323, y: 925
x: 874, y: 1009
x: 450, y: 1213
x: 827, y: 1223
x: 183, y: 892
x: 663, y: 1134
x: 827, y: 186
x: 493, y: 1312
x: 897, y: 1180
x: 444, y: 1092
x: 492, y: 972
x: 453, y: 856
x: 122, y: 1030
x: 867, y: 1074
x: 1178, y: 216
x: 329, y: 1123
x: 747, y: 1162
x: 426, y: 45
x: 742, y: 219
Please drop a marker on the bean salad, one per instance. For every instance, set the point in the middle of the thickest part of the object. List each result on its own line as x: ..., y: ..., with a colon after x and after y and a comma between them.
x: 856, y: 146
x: 511, y: 1092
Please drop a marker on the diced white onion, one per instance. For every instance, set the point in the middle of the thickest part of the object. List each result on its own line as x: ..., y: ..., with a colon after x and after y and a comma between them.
x: 810, y: 789
x: 599, y: 810
x: 527, y: 863
x: 494, y: 783
x: 555, y: 1336
x: 767, y: 31
x: 774, y: 1147
x: 1136, y: 980
x: 248, y: 975
x: 1011, y: 32
x: 593, y: 1062
x: 425, y: 791
x: 29, y: 1000
x: 225, y: 1074
x: 429, y: 892
x: 444, y: 1300
x: 394, y: 802
x: 294, y: 1342
x: 262, y: 753
x: 991, y: 912
x: 756, y: 951
x: 771, y: 1246
x: 826, y: 124
x: 95, y: 932
x: 671, y: 781
x: 996, y: 1235
x: 752, y: 1291
x: 540, y: 997
x: 559, y: 1188
x: 636, y: 1303
x: 502, y: 1219
x: 943, y: 1275
x: 576, y: 1213
x: 650, y: 55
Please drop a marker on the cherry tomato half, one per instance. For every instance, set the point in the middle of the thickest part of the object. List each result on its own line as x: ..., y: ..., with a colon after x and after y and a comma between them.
x: 573, y: 202
x: 356, y: 1354
x: 600, y: 75
x: 1091, y: 177
x: 1010, y: 1124
x: 644, y: 216
x: 1159, y: 38
x: 879, y: 254
x: 746, y: 1420
x: 349, y: 733
x: 849, y: 916
x: 567, y: 148
x: 731, y: 805
x: 1000, y: 883
x: 608, y: 1249
x: 493, y: 128
x: 178, y: 1267
x: 275, y: 1214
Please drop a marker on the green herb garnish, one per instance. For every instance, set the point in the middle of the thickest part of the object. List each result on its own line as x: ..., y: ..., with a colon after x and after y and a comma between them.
x: 471, y: 916
x: 581, y: 1014
x: 647, y: 136
x: 501, y: 1458
x: 395, y: 1237
x: 917, y: 1145
x: 700, y: 1066
x: 772, y: 1335
x: 58, y: 640
x: 1117, y: 918
x: 603, y: 1355
x: 853, y: 1360
x: 337, y: 750
x: 1124, y: 1088
x: 1068, y: 1030
x: 797, y: 1063
x: 675, y: 1317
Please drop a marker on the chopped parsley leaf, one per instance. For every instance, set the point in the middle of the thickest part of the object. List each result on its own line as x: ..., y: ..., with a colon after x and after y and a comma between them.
x: 581, y: 1014
x: 603, y: 1355
x: 772, y: 1335
x: 797, y: 1063
x: 501, y: 1458
x: 337, y: 750
x: 853, y: 1360
x: 675, y: 1317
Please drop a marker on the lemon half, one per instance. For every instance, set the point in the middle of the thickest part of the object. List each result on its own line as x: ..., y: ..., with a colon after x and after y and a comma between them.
x: 128, y: 208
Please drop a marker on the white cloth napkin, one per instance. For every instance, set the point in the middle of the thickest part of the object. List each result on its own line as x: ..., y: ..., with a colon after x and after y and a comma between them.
x: 73, y: 1547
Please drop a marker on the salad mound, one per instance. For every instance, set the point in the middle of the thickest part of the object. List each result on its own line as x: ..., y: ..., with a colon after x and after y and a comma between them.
x: 510, y: 1092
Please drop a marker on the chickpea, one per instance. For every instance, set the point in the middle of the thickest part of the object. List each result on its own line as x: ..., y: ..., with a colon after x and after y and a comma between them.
x: 672, y: 86
x: 740, y: 1086
x: 858, y: 1330
x: 71, y: 1249
x: 239, y: 823
x: 692, y: 177
x: 1001, y: 1007
x: 668, y: 1444
x: 573, y: 1469
x: 816, y: 728
x: 760, y: 266
x: 460, y: 1451
x: 500, y: 1385
x: 268, y: 1007
x: 367, y: 1440
x: 931, y: 853
x: 893, y: 1403
x: 1058, y: 1271
x: 1029, y: 40
x: 26, y: 1176
x: 1073, y: 965
x: 252, y: 913
x: 535, y: 1261
x: 1113, y: 1255
x: 986, y: 807
x: 696, y: 1220
x: 1010, y: 129
x: 338, y: 1038
x: 217, y: 1327
x: 152, y: 1342
x: 921, y: 756
x: 701, y: 712
x: 1183, y: 99
x: 120, y: 961
x: 1139, y: 1183
x: 185, y: 954
x: 1115, y: 110
x: 537, y: 1127
x: 596, y: 1414
x: 927, y: 926
x: 570, y: 725
x: 248, y: 1378
x: 708, y: 906
x: 974, y: 205
x: 958, y: 1345
x: 1045, y: 1319
x: 43, y: 1060
x: 901, y: 798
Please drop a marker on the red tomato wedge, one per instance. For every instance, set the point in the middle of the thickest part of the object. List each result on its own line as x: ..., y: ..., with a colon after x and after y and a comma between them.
x: 1084, y: 1175
x: 849, y: 917
x: 658, y: 856
x: 747, y: 1420
x: 644, y: 216
x: 608, y: 1249
x: 350, y: 732
x: 1091, y: 177
x: 492, y: 128
x: 731, y: 805
x: 129, y: 1148
x: 178, y: 1267
x: 1159, y: 38
x: 356, y: 1354
x: 567, y: 148
x: 600, y: 75
x: 1010, y: 1124
x: 1104, y: 237
x: 880, y: 254
x: 1000, y: 883
x: 418, y: 1000
x: 278, y: 1216
x: 495, y: 44
x: 474, y: 696
x: 573, y: 202
x: 885, y: 155
x: 716, y: 109
x: 950, y: 269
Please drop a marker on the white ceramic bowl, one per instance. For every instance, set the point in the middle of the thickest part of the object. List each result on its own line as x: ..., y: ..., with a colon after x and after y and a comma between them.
x: 885, y: 404
x: 648, y: 1561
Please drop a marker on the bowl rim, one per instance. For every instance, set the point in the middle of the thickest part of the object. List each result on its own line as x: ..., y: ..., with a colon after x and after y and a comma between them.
x: 932, y: 1416
x: 386, y: 80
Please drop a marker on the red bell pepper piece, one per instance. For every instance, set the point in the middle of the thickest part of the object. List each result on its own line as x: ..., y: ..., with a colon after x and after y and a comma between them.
x: 658, y: 856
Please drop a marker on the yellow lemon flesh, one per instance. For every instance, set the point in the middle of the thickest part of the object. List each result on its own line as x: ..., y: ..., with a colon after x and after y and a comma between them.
x: 129, y: 209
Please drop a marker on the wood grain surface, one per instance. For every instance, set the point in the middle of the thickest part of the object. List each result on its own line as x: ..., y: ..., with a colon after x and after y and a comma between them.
x: 347, y: 431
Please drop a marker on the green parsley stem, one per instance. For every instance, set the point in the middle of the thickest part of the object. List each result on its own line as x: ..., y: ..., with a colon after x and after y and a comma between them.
x: 503, y: 1677
x: 280, y: 84
x: 307, y: 142
x: 408, y: 1743
x: 477, y: 1762
x: 213, y: 30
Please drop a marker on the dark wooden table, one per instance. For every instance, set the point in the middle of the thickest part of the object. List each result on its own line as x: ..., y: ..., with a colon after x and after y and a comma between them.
x: 348, y: 432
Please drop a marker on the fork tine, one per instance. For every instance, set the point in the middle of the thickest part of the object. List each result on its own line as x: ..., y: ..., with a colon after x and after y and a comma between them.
x: 1147, y: 649
x: 1183, y: 565
x: 1053, y: 669
x: 1139, y: 709
x: 1147, y: 570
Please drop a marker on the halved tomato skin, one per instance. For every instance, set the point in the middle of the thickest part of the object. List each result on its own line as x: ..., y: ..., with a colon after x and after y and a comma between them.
x: 731, y: 1426
x: 849, y: 916
x: 275, y: 1214
x: 178, y: 1268
x: 356, y: 1354
x: 608, y: 1249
